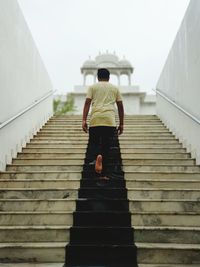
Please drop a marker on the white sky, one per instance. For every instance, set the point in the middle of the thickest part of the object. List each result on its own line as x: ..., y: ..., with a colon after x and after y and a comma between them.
x: 67, y: 32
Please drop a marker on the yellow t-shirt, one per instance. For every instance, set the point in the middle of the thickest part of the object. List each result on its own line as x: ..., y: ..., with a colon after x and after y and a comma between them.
x: 104, y: 95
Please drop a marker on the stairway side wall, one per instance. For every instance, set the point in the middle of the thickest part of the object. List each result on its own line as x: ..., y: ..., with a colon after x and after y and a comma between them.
x: 180, y: 81
x: 23, y: 81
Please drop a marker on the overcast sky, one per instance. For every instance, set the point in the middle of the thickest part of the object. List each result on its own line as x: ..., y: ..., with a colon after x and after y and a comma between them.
x: 67, y: 32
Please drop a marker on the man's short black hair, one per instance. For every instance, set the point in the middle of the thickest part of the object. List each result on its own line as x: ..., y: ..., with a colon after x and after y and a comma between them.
x: 103, y: 74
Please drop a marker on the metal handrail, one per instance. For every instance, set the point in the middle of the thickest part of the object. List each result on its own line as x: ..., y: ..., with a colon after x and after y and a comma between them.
x: 177, y: 106
x: 3, y: 124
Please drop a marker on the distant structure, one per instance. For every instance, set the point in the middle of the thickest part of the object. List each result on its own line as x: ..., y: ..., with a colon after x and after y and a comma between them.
x: 135, y: 102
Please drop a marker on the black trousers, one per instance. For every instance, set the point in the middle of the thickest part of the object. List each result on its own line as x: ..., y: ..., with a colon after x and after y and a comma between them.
x: 100, y: 141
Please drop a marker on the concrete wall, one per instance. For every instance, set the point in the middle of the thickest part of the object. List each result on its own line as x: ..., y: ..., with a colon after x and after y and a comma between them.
x: 23, y: 80
x: 180, y: 81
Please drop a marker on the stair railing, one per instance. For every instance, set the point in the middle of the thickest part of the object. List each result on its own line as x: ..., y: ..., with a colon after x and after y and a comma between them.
x: 177, y: 106
x: 3, y: 124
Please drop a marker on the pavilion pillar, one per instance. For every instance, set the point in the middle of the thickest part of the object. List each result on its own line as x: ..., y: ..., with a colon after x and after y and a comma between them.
x: 84, y: 79
x: 118, y: 78
x: 129, y: 79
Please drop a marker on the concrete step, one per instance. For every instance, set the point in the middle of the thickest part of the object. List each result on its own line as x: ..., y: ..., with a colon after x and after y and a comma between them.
x: 129, y: 168
x: 38, y: 193
x: 54, y: 161
x: 163, y: 183
x: 36, y: 218
x: 41, y: 205
x: 148, y: 234
x: 125, y: 135
x: 166, y: 205
x: 85, y: 138
x: 122, y: 142
x: 74, y: 150
x: 162, y: 175
x: 134, y: 161
x: 159, y: 168
x: 167, y: 253
x: 40, y: 233
x: 78, y: 156
x: 31, y: 252
x: 163, y: 193
x: 122, y: 146
x: 67, y: 175
x: 160, y: 162
x: 40, y: 183
x: 27, y: 182
x: 28, y: 155
x: 166, y: 219
x: 41, y: 168
x: 155, y: 253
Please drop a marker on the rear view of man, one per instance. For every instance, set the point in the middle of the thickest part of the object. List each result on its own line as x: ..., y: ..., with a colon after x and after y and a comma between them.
x: 103, y: 96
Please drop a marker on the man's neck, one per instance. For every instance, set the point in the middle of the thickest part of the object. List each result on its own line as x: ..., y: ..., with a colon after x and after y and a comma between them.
x: 102, y: 80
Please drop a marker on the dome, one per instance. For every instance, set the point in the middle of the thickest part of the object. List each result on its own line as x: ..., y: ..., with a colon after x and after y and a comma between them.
x: 89, y: 63
x: 125, y: 63
x: 108, y: 58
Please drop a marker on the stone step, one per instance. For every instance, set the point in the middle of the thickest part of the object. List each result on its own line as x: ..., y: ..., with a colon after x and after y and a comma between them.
x: 77, y: 175
x: 40, y: 183
x: 127, y: 168
x: 160, y: 162
x: 163, y: 193
x: 27, y: 182
x: 184, y: 219
x: 148, y: 234
x: 38, y: 193
x: 67, y: 175
x: 166, y: 205
x: 33, y: 252
x: 167, y: 253
x: 85, y: 138
x: 71, y: 150
x: 163, y: 183
x: 146, y: 252
x: 137, y: 205
x: 36, y: 218
x: 122, y: 142
x: 133, y: 161
x: 37, y: 168
x: 41, y: 205
x: 159, y: 168
x: 122, y: 146
x: 54, y: 161
x: 125, y: 135
x: 126, y: 123
x: 52, y: 155
x: 162, y: 175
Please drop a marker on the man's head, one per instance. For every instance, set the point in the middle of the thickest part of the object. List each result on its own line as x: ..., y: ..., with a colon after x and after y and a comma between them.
x: 103, y: 75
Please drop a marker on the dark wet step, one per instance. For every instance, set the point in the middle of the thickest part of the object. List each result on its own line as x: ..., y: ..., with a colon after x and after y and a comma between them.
x: 102, y: 205
x: 102, y: 193
x: 110, y: 167
x: 103, y: 235
x: 102, y: 218
x: 101, y: 255
x: 96, y: 182
x: 112, y: 174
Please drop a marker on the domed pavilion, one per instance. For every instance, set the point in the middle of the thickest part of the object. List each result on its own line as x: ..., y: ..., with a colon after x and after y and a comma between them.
x: 135, y: 101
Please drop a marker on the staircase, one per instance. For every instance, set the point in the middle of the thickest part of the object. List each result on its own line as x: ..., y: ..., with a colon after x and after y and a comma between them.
x: 38, y: 194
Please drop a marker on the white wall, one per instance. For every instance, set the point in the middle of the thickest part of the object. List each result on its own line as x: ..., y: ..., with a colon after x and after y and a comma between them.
x: 180, y: 81
x: 23, y: 80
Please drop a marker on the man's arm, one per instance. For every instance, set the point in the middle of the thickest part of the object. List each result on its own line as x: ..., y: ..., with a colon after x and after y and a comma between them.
x: 85, y: 114
x: 121, y: 116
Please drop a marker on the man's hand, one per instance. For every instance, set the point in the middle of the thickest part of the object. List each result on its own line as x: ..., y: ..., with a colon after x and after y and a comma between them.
x: 120, y: 129
x: 84, y: 126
